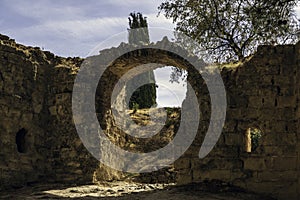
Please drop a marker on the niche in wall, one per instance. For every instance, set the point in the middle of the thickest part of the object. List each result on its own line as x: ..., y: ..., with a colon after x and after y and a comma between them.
x: 252, y: 138
x: 21, y: 140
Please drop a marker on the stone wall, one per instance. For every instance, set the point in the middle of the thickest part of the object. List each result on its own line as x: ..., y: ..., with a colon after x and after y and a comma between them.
x: 23, y: 91
x: 263, y: 93
x: 35, y: 100
x: 36, y: 93
x: 39, y: 141
x: 71, y: 162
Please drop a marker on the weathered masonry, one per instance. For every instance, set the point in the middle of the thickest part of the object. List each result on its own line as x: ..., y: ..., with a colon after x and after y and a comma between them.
x: 262, y: 94
x: 39, y: 142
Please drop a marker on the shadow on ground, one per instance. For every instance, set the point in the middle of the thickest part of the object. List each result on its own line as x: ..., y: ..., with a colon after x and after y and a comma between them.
x: 132, y: 191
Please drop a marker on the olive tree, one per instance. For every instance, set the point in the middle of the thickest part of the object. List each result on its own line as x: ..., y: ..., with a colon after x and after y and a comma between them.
x: 231, y: 30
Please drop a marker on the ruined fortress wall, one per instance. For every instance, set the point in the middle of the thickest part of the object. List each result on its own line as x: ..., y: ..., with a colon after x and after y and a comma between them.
x: 35, y: 102
x: 24, y: 147
x: 262, y: 93
x: 70, y: 161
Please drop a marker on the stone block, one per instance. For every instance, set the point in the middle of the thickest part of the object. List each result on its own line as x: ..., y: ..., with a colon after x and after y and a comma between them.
x: 27, y: 117
x: 271, y: 139
x: 52, y: 110
x: 289, y: 139
x: 285, y: 163
x: 255, y: 102
x: 184, y: 177
x: 274, y: 176
x: 183, y: 163
x: 215, y: 174
x: 268, y: 101
x: 37, y: 108
x: 287, y: 101
x: 62, y: 98
x: 280, y: 150
x: 4, y: 110
x: 78, y: 172
x: 298, y: 112
x: 73, y: 164
x: 230, y: 125
x: 250, y: 113
x: 257, y: 164
x: 233, y: 139
x: 286, y: 91
x: 14, y: 113
x: 267, y: 114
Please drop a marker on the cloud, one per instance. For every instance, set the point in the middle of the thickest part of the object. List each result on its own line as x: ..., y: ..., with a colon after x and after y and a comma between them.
x: 77, y: 37
x: 297, y: 11
x: 90, y: 28
x: 133, y: 5
x: 169, y: 94
x: 45, y: 11
x: 71, y: 28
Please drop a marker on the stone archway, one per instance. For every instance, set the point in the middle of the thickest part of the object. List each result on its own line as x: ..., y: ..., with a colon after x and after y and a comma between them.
x: 261, y: 90
x: 114, y: 63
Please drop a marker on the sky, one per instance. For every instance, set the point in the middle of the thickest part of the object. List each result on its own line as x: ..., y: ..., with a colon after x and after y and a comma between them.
x: 75, y: 27
x: 72, y: 27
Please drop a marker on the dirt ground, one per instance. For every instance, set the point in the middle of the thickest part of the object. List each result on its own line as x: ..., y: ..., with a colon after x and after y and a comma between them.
x: 128, y: 191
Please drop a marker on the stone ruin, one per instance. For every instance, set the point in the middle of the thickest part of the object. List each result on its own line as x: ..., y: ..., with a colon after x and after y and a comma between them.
x: 39, y: 142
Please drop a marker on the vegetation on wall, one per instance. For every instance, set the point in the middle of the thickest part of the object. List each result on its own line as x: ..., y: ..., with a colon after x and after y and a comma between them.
x: 255, y: 137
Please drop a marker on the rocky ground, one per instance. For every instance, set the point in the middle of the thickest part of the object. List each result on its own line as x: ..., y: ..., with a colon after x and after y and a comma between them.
x: 129, y: 191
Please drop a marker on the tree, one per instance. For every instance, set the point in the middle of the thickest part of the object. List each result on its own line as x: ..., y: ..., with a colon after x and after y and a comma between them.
x: 144, y: 96
x: 231, y: 30
x: 137, y: 21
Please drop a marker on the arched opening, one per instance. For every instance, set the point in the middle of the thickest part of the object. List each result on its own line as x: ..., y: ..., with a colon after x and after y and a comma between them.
x: 252, y: 138
x: 135, y: 129
x: 21, y: 141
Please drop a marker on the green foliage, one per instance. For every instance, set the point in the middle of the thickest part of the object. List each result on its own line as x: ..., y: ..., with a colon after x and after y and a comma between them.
x: 169, y: 110
x: 136, y: 21
x: 255, y: 136
x: 144, y: 96
x: 177, y: 74
x: 135, y: 106
x: 230, y: 30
